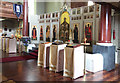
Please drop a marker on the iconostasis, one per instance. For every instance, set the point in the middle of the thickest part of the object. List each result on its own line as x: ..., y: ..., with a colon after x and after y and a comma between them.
x: 82, y: 21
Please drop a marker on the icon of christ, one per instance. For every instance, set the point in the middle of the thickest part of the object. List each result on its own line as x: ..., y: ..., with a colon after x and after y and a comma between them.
x: 64, y: 31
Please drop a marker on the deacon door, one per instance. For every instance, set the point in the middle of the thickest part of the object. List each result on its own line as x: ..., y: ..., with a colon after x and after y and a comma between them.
x: 88, y: 32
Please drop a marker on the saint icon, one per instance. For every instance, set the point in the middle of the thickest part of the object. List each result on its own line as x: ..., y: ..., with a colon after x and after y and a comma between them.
x: 75, y: 34
x: 34, y: 33
x: 88, y: 33
x: 41, y: 33
x: 48, y: 33
x: 54, y: 33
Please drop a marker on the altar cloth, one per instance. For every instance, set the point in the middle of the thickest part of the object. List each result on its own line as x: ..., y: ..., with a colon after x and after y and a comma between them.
x: 56, y: 57
x: 43, y: 54
x: 74, y: 62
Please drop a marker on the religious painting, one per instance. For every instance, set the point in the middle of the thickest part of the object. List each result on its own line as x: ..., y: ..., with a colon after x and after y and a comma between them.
x: 41, y: 16
x: 5, y: 29
x: 91, y: 9
x: 56, y: 14
x: 73, y: 11
x: 0, y: 30
x: 79, y: 18
x: 88, y: 17
x: 88, y: 32
x: 97, y: 9
x: 53, y: 15
x: 54, y: 33
x: 9, y: 30
x: 86, y: 10
x: 41, y: 33
x: 48, y: 33
x: 34, y: 33
x: 91, y: 16
x: 84, y: 17
x: 97, y: 15
x: 46, y: 15
x: 75, y: 33
x: 78, y: 11
x: 64, y: 27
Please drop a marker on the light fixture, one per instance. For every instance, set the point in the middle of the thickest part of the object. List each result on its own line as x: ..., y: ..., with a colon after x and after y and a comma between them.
x: 1, y: 19
x: 90, y: 3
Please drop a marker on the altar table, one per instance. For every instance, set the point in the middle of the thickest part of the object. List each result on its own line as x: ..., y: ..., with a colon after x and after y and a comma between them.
x: 74, y: 61
x: 57, y: 57
x: 43, y: 54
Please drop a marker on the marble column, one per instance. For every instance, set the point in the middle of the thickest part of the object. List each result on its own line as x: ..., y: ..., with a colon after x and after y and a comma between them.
x: 105, y: 24
x: 25, y: 18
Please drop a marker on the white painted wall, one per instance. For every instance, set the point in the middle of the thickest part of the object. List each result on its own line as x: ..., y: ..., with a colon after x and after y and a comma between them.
x: 52, y: 6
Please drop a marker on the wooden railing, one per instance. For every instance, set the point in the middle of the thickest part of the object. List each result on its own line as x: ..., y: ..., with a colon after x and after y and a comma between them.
x: 6, y: 10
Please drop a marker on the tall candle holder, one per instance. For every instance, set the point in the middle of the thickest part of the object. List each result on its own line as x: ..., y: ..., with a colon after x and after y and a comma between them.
x: 85, y: 57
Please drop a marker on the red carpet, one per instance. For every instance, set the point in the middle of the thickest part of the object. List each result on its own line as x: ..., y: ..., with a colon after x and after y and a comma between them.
x: 32, y: 53
x: 35, y: 50
x: 17, y: 58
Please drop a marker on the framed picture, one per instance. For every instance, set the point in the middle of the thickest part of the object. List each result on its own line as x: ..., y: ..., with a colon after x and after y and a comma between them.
x: 97, y: 8
x: 41, y: 33
x: 34, y: 32
x: 75, y: 33
x: 48, y: 33
x: 9, y: 30
x: 0, y: 30
x: 5, y: 29
x: 86, y: 10
x: 88, y: 31
x: 91, y: 9
x: 54, y: 32
x: 78, y: 11
x: 74, y: 11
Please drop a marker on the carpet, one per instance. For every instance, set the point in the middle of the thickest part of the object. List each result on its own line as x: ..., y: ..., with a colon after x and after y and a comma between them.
x: 34, y: 54
x: 17, y: 58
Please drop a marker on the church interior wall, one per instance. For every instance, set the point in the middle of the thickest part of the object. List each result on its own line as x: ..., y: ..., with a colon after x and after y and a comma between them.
x: 40, y: 8
x: 52, y: 6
